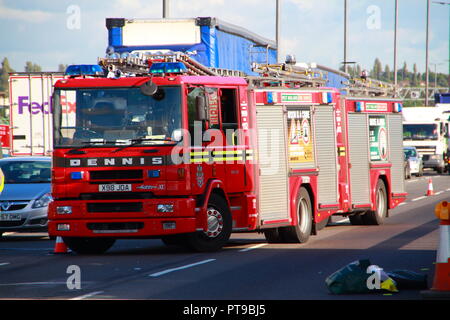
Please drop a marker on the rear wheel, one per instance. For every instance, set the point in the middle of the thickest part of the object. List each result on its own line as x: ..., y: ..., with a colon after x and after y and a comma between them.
x: 300, y: 233
x: 356, y: 220
x: 219, y: 227
x: 377, y: 217
x: 89, y: 245
x: 273, y: 235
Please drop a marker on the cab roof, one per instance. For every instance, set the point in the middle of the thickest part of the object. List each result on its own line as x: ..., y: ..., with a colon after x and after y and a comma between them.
x: 125, y: 82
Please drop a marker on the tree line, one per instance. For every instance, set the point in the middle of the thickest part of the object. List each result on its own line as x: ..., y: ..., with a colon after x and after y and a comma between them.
x: 405, y: 76
x: 5, y: 69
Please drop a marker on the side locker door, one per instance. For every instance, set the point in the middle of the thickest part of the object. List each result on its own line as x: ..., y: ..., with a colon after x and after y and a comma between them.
x: 396, y: 153
x: 272, y: 157
x: 358, y: 140
x: 325, y: 135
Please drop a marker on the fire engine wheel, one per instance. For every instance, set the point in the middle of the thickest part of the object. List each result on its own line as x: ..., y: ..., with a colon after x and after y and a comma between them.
x: 273, y: 235
x: 377, y: 217
x: 301, y: 232
x: 219, y: 227
x: 356, y: 219
x: 89, y: 245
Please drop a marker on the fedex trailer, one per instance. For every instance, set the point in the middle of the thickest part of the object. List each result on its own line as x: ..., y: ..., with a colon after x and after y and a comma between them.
x: 31, y: 112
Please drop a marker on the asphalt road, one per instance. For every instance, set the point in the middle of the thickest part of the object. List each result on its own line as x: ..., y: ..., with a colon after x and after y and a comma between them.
x: 247, y: 268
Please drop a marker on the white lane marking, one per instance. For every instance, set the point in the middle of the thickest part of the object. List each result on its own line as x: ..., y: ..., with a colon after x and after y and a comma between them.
x: 419, y: 198
x: 4, y: 264
x: 86, y: 296
x: 447, y: 189
x: 254, y: 247
x: 157, y: 274
x: 401, y: 204
x: 439, y: 192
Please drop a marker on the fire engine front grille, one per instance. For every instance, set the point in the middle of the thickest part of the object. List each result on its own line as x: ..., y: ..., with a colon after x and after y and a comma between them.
x: 116, y: 174
x: 115, y: 207
x: 115, y: 226
x: 112, y: 196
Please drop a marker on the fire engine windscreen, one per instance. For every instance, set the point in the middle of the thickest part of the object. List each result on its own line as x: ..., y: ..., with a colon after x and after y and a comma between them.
x: 420, y: 132
x: 115, y: 116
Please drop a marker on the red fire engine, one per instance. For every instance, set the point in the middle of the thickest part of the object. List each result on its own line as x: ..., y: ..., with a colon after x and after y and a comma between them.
x: 190, y: 157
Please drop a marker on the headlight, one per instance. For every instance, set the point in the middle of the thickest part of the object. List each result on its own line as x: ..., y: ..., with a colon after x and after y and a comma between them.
x: 164, y: 208
x: 43, y: 201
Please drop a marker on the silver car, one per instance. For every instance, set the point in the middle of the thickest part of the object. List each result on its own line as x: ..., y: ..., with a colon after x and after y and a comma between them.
x: 415, y: 160
x: 26, y: 194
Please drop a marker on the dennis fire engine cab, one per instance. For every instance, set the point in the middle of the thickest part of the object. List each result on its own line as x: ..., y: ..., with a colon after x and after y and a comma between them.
x: 190, y: 156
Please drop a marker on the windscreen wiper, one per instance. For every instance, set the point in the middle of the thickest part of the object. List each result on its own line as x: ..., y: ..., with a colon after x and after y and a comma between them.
x: 87, y: 144
x: 140, y: 140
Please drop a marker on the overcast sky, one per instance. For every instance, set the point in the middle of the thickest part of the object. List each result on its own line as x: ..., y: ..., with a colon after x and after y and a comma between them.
x: 47, y: 32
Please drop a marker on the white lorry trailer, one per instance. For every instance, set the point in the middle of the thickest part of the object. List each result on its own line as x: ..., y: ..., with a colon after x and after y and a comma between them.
x: 31, y: 112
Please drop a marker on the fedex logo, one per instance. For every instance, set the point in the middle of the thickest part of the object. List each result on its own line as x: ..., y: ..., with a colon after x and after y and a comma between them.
x: 46, y: 108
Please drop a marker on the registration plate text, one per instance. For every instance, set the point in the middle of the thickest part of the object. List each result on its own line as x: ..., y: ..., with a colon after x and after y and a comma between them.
x: 114, y: 187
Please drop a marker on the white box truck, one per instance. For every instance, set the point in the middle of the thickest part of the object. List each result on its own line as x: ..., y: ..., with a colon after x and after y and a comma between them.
x: 31, y: 112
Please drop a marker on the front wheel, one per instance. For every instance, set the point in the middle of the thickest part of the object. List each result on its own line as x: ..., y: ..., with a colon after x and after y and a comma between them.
x: 300, y: 233
x: 377, y: 217
x: 219, y: 227
x: 89, y: 245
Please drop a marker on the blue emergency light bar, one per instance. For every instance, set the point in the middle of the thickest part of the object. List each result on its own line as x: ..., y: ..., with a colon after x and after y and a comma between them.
x: 168, y: 67
x: 84, y: 70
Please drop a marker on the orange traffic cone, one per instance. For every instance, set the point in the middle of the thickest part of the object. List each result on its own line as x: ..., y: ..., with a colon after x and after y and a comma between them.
x: 430, y: 191
x: 60, y: 246
x: 441, y: 281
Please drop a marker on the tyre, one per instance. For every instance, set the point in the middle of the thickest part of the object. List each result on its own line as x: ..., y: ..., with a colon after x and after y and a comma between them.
x: 89, y: 245
x: 219, y: 227
x: 356, y: 220
x: 377, y: 217
x: 322, y: 224
x: 300, y: 233
x: 273, y: 235
x: 420, y: 173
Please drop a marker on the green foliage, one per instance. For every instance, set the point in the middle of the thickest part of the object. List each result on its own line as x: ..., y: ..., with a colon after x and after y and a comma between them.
x: 32, y: 67
x: 405, y: 77
x: 4, y: 75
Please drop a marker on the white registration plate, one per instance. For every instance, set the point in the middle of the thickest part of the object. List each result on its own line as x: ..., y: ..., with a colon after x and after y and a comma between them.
x: 114, y: 187
x: 9, y: 217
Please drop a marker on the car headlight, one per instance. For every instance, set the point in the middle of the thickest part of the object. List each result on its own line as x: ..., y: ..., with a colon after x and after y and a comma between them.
x: 43, y: 201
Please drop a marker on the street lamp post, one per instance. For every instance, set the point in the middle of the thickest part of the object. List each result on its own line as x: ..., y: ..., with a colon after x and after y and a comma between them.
x: 426, y: 54
x: 395, y: 43
x: 435, y: 73
x: 278, y: 27
x: 345, y: 37
x: 447, y: 3
x: 165, y: 9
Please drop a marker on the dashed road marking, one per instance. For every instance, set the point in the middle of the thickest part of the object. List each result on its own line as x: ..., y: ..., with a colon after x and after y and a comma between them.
x: 86, y: 296
x: 254, y: 247
x: 157, y: 274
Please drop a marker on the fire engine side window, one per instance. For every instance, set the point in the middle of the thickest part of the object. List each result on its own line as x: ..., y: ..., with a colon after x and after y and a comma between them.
x: 228, y: 115
x: 193, y: 94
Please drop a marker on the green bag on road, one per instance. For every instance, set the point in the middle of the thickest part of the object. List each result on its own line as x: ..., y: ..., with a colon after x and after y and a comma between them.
x: 350, y: 279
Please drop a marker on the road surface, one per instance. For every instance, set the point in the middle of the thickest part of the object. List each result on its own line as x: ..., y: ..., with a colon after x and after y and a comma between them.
x: 246, y: 269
